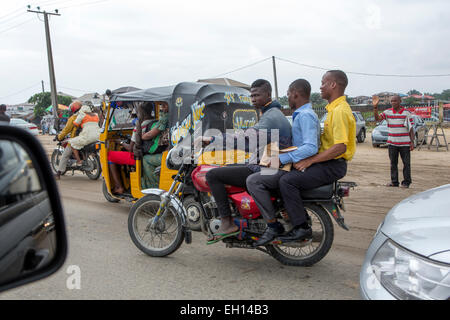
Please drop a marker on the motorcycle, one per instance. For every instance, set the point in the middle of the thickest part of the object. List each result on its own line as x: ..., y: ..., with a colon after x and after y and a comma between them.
x: 158, y: 222
x: 89, y: 154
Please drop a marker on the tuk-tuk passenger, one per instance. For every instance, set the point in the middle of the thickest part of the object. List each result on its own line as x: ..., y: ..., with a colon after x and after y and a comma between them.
x: 118, y: 158
x: 90, y: 131
x: 152, y: 149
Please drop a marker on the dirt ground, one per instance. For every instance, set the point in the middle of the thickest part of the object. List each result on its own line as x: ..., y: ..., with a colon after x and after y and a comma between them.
x: 371, y: 199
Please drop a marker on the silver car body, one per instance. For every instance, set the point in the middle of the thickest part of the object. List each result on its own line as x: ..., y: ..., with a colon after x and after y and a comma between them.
x: 360, y: 124
x: 30, y: 127
x: 419, y: 225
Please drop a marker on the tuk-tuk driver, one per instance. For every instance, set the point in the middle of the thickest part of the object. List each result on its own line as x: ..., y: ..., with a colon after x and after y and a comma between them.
x: 151, y: 161
x: 236, y: 175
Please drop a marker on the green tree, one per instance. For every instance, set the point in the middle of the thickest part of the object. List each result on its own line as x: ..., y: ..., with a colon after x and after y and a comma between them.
x: 410, y: 101
x: 43, y: 100
x: 283, y: 101
x: 317, y: 101
x: 413, y: 91
x: 445, y: 95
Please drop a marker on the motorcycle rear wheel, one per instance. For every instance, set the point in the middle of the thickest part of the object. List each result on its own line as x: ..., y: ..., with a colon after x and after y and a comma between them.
x: 307, y: 253
x: 153, y: 242
x: 56, y: 158
x: 97, y: 171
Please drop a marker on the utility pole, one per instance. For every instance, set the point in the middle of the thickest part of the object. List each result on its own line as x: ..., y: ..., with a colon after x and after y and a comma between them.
x: 275, y: 77
x: 51, y: 69
x: 42, y: 82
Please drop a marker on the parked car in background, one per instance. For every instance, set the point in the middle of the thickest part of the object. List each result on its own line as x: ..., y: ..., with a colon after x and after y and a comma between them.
x: 361, y: 129
x: 20, y: 123
x: 409, y: 257
x: 380, y: 132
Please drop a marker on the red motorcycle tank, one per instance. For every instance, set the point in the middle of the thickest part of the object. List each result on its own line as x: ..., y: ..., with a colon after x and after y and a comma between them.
x: 199, y: 180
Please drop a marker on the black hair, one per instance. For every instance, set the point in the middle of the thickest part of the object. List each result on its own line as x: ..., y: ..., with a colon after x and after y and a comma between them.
x: 302, y: 86
x: 2, y: 107
x: 147, y: 109
x: 263, y: 84
x: 340, y: 77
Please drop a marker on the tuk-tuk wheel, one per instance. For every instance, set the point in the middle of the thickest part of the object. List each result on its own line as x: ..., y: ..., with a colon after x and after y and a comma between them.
x: 193, y: 210
x: 107, y: 195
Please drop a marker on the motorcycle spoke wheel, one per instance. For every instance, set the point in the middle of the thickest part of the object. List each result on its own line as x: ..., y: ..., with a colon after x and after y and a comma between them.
x: 94, y: 163
x: 163, y: 238
x: 310, y: 251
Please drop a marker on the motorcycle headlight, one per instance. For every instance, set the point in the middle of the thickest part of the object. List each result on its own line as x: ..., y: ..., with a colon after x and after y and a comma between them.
x: 408, y: 276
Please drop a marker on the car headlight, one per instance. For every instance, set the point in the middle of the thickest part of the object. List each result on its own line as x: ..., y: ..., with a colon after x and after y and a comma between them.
x: 375, y: 131
x: 410, y: 277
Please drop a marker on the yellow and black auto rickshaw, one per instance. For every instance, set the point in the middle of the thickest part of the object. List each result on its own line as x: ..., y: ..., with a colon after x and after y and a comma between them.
x: 192, y: 106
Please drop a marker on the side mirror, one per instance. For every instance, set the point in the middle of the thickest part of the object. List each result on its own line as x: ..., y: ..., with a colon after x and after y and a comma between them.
x: 378, y: 123
x: 33, y: 241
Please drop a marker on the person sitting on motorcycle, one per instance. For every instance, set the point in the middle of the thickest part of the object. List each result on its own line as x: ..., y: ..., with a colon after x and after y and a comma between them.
x: 68, y: 129
x: 118, y: 158
x: 153, y: 148
x: 90, y: 131
x: 338, y: 144
x: 305, y: 136
x: 236, y: 175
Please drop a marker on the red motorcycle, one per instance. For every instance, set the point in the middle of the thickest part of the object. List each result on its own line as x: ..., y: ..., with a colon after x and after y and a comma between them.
x: 158, y: 222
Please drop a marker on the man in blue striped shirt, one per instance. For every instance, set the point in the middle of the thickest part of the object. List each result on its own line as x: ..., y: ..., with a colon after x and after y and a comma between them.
x: 306, y: 137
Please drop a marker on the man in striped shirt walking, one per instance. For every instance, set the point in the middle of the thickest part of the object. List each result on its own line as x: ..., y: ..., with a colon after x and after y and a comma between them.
x: 400, y: 138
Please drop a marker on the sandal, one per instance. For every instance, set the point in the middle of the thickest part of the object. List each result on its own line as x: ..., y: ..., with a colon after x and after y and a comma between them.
x: 220, y: 236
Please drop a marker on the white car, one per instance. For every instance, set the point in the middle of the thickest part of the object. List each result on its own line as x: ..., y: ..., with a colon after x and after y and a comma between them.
x: 409, y: 257
x: 30, y: 127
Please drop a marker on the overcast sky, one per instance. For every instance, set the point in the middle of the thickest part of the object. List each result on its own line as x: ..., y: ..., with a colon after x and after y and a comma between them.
x: 116, y: 43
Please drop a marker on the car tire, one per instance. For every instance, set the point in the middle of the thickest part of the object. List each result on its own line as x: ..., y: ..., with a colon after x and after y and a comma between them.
x: 361, y: 136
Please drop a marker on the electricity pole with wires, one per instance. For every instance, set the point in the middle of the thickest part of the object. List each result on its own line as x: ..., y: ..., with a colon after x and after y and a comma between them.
x: 51, y: 68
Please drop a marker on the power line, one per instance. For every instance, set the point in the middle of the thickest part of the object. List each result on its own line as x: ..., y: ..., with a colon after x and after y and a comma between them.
x: 369, y: 74
x: 18, y: 92
x: 15, y: 26
x: 84, y: 4
x: 244, y: 67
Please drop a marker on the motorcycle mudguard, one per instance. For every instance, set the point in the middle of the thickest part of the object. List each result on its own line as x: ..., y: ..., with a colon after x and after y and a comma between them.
x: 174, y: 201
x: 334, y: 211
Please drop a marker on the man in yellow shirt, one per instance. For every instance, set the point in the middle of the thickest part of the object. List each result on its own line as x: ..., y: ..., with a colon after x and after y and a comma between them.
x: 338, y: 144
x: 68, y: 129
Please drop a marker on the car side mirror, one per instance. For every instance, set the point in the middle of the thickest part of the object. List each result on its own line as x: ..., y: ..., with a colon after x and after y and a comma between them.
x: 33, y: 241
x: 378, y: 123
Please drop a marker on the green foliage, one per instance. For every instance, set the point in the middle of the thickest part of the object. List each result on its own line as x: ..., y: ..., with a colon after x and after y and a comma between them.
x: 410, y: 101
x: 317, y: 101
x: 413, y: 91
x: 43, y: 100
x: 445, y: 95
x: 283, y: 101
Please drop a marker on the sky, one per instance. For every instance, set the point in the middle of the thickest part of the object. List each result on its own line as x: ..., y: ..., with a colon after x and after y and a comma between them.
x: 107, y: 44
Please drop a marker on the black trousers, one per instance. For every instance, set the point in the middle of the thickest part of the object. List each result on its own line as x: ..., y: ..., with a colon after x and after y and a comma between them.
x: 217, y: 178
x: 405, y: 154
x: 292, y: 183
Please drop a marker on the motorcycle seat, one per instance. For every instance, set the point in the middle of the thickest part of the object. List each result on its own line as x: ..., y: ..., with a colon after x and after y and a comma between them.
x: 90, y: 147
x: 320, y: 193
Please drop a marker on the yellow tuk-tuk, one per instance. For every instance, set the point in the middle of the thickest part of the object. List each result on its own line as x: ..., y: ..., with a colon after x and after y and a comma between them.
x: 191, y: 105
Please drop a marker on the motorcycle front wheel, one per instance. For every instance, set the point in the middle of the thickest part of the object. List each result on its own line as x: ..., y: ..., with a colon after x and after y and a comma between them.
x: 308, y: 252
x: 162, y: 239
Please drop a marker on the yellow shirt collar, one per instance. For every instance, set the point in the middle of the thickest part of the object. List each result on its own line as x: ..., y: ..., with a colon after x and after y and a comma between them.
x: 335, y: 103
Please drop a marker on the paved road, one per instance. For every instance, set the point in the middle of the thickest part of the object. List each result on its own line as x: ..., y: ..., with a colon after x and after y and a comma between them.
x: 113, y: 268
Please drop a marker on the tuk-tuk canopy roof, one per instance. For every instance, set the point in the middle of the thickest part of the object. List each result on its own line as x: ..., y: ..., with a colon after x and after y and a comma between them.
x: 199, y: 92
